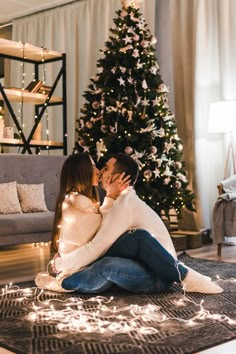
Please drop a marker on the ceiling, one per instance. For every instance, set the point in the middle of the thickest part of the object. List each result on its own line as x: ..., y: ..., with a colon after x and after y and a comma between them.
x: 13, y: 9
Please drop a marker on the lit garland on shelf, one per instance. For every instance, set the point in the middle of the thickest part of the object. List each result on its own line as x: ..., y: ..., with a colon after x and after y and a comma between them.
x: 46, y: 111
x: 20, y: 111
x: 21, y: 115
x: 70, y: 314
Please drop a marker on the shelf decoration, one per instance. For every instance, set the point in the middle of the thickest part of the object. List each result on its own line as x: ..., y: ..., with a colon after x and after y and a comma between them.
x: 37, y: 93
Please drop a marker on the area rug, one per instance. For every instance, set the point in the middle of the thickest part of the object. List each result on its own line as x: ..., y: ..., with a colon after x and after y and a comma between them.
x: 36, y: 322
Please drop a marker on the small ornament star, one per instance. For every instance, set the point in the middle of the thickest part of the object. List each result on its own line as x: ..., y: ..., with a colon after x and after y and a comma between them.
x: 86, y: 149
x: 121, y: 81
x: 140, y: 65
x: 156, y: 172
x: 169, y: 146
x: 155, y: 102
x: 145, y: 102
x: 127, y: 39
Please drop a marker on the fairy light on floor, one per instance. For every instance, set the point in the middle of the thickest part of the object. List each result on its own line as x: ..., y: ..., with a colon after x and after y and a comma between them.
x: 99, y: 315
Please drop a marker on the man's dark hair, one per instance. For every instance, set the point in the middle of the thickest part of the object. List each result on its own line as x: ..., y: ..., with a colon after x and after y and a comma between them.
x: 125, y: 163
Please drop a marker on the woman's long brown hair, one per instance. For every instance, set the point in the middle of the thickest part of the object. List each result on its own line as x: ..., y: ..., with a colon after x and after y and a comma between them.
x: 77, y: 176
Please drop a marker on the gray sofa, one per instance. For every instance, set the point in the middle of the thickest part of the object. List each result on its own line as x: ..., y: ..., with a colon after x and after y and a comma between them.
x: 30, y: 169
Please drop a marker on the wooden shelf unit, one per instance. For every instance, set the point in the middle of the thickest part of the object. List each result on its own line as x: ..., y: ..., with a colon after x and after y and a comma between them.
x: 37, y: 56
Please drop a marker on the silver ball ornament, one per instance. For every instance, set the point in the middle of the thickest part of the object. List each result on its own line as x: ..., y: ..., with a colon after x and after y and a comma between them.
x: 128, y: 150
x: 104, y: 128
x: 153, y: 149
x: 89, y: 125
x: 147, y: 174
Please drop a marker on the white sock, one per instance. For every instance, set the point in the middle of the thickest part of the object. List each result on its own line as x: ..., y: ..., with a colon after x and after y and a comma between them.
x: 195, y: 282
x: 47, y: 282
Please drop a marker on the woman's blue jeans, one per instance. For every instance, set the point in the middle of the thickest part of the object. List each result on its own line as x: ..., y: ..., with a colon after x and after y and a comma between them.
x: 136, y: 262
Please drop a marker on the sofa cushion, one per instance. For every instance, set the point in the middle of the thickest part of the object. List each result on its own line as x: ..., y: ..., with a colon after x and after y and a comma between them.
x: 26, y: 223
x: 9, y: 202
x: 31, y: 197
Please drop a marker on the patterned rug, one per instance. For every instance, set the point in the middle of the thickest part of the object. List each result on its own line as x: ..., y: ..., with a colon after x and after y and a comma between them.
x: 35, y: 322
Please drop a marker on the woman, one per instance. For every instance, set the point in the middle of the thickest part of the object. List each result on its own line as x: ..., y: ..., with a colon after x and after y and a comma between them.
x: 76, y: 207
x: 77, y: 215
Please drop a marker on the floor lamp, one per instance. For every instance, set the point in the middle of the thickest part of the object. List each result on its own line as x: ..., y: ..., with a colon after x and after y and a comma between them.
x: 222, y: 119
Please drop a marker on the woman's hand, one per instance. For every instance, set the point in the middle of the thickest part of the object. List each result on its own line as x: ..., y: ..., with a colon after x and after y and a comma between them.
x: 52, y: 262
x: 117, y: 185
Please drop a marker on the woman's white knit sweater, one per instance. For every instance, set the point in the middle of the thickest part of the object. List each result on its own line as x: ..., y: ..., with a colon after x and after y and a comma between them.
x: 80, y: 221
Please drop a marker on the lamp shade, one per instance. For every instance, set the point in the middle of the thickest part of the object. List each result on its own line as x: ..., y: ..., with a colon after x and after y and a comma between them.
x: 222, y: 117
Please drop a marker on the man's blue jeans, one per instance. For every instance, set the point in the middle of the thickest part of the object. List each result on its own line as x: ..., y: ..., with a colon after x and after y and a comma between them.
x: 143, y: 266
x: 126, y: 273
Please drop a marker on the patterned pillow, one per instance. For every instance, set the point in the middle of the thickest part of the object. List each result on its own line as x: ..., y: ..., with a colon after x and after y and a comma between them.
x: 31, y: 197
x: 9, y: 202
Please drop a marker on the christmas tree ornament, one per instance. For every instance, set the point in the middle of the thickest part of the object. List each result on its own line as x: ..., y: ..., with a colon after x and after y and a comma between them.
x: 147, y: 174
x: 139, y: 64
x: 101, y: 149
x: 153, y: 149
x: 130, y: 114
x: 145, y: 102
x: 121, y: 81
x: 104, y: 128
x: 135, y: 53
x: 89, y: 125
x: 144, y: 84
x: 81, y: 142
x: 178, y: 164
x: 95, y: 105
x: 156, y: 101
x: 128, y: 150
x: 114, y: 129
x: 143, y: 115
x: 167, y: 180
x: 178, y: 184
x: 156, y: 172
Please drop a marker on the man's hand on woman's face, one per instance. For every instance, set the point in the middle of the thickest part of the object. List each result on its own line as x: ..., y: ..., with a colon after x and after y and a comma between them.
x: 116, y: 183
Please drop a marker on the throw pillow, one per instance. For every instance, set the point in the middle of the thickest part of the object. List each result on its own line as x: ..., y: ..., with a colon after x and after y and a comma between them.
x: 31, y: 197
x: 9, y: 202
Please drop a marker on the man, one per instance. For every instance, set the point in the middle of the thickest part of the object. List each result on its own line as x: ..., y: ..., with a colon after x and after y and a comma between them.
x: 124, y: 212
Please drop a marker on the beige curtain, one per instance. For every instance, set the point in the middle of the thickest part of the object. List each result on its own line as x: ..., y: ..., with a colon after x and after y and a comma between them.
x: 204, y: 51
x: 80, y: 30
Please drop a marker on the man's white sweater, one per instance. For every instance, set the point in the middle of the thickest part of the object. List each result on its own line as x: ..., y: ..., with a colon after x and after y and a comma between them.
x: 128, y: 212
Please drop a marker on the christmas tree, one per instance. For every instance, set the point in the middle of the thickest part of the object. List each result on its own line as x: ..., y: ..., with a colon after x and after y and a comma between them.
x: 126, y: 110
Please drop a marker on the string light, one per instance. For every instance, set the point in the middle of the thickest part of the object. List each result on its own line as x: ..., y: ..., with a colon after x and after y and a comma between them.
x: 47, y: 100
x: 74, y: 314
x: 20, y: 111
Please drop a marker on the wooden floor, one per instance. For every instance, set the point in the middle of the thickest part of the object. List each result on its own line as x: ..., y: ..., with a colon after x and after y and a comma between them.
x: 22, y: 263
